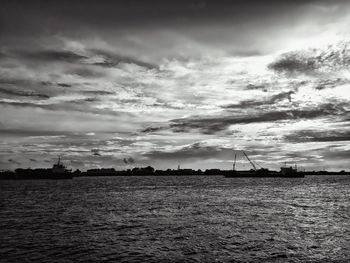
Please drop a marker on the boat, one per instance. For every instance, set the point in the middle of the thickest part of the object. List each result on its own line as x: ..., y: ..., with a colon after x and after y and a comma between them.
x: 263, y: 172
x: 291, y: 172
x: 58, y: 171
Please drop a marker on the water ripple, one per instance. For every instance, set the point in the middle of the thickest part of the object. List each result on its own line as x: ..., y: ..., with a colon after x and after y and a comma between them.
x: 182, y: 219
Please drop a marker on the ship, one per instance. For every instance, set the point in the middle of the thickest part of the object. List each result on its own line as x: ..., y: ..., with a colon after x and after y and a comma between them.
x: 58, y: 171
x: 263, y: 172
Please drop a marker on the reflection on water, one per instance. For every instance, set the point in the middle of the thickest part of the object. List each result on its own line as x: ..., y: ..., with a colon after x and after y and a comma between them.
x: 176, y: 219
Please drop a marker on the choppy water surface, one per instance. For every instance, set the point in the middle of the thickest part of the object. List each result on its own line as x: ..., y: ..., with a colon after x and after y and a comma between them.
x: 176, y: 219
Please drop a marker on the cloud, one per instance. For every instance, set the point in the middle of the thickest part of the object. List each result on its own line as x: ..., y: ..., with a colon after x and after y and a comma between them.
x: 67, y: 106
x: 129, y: 160
x: 152, y: 129
x: 22, y: 93
x: 98, y: 92
x: 337, y: 154
x: 14, y: 161
x: 181, y: 73
x: 318, y: 136
x: 255, y: 87
x: 253, y: 103
x: 64, y: 85
x: 294, y: 62
x: 196, y: 150
x: 51, y: 55
x: 215, y: 124
x: 26, y: 133
x: 95, y: 152
x: 330, y: 83
x: 92, y: 57
x: 87, y: 72
x: 110, y: 59
x: 3, y: 55
x: 313, y: 61
x: 65, y: 120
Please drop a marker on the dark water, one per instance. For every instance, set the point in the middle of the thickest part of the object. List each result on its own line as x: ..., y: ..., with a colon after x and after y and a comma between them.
x: 176, y: 219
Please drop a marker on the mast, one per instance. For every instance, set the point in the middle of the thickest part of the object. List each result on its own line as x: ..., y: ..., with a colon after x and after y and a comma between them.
x: 234, y: 164
x: 250, y: 161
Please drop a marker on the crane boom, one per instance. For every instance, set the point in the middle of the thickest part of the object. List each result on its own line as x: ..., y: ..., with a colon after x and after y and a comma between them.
x: 234, y: 164
x: 250, y: 161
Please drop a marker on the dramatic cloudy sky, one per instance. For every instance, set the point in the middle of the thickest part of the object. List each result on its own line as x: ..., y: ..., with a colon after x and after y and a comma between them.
x: 174, y: 82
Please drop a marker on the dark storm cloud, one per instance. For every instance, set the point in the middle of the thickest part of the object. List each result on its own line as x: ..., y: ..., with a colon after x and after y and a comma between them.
x: 330, y: 83
x: 87, y: 100
x: 106, y: 59
x: 64, y: 85
x: 104, y: 12
x: 144, y: 32
x: 113, y: 60
x: 87, y: 73
x: 212, y: 125
x: 152, y: 129
x: 50, y: 55
x: 20, y: 87
x: 201, y: 151
x: 4, y: 81
x: 294, y: 62
x: 253, y: 103
x: 98, y: 92
x: 195, y: 151
x: 318, y: 136
x: 21, y: 93
x: 313, y: 60
x: 255, y: 87
x: 48, y: 17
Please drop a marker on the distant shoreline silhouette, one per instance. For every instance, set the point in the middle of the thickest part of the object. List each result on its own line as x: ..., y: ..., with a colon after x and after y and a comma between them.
x: 60, y: 171
x: 49, y: 173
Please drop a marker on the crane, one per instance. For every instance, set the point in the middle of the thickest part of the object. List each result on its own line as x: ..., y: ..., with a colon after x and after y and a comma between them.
x: 250, y: 161
x: 234, y: 164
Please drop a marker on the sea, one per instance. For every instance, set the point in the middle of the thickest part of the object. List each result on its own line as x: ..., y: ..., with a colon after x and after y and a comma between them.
x: 176, y: 219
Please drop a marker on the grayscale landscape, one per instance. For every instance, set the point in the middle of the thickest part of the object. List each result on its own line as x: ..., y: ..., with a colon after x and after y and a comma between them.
x: 174, y: 131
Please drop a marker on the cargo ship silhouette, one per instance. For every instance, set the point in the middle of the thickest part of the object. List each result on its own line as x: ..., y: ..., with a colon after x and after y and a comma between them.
x: 58, y: 171
x: 263, y: 172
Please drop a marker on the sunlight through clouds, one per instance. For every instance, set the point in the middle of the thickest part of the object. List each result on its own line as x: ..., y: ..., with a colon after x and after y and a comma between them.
x: 179, y: 91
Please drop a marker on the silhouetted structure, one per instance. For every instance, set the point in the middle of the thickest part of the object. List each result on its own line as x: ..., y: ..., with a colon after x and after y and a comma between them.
x: 263, y: 172
x: 59, y: 171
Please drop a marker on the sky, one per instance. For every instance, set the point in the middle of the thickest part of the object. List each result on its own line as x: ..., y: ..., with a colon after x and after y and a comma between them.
x: 166, y: 83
